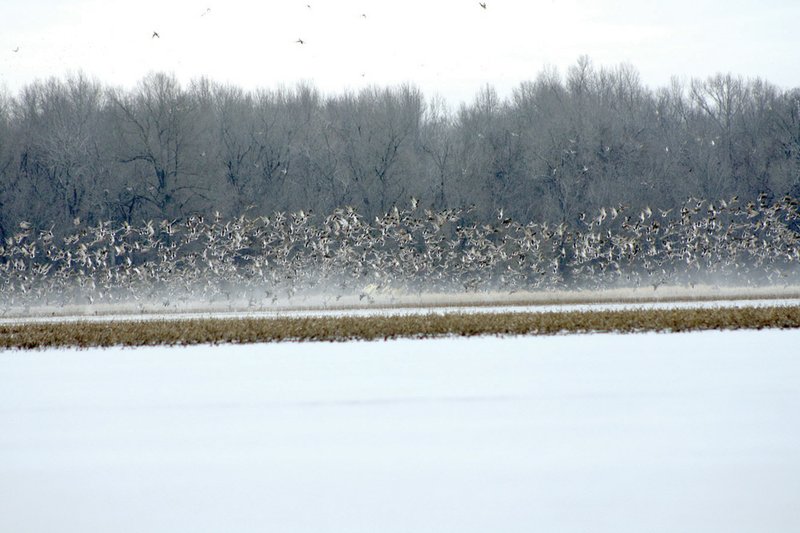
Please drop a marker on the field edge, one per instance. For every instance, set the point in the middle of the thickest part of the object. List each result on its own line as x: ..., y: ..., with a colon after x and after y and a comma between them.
x: 243, y: 330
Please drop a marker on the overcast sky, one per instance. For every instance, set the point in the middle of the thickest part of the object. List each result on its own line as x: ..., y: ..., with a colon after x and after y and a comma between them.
x: 446, y: 47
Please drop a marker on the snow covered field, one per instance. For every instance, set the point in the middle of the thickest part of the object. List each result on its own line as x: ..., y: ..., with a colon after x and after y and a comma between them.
x: 605, y: 432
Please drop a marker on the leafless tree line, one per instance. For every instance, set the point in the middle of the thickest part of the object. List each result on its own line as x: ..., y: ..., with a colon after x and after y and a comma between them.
x: 74, y: 152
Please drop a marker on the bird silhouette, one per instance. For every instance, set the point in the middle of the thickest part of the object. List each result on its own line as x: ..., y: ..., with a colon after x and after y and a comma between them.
x: 482, y: 4
x: 300, y: 41
x: 15, y: 50
x: 155, y: 34
x: 206, y: 12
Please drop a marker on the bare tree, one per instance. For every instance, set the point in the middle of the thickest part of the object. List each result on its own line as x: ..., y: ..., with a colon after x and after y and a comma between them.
x: 722, y: 98
x: 376, y: 130
x: 553, y: 120
x: 787, y: 123
x: 156, y: 132
x: 6, y: 162
x: 61, y: 173
x: 438, y: 144
x: 224, y: 115
x: 74, y: 151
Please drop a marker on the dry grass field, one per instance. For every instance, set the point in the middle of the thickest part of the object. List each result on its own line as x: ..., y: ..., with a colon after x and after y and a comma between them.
x: 132, y: 332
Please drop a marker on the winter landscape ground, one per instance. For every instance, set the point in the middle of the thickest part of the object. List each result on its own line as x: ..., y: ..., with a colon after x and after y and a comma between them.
x: 589, y: 432
x: 459, y: 278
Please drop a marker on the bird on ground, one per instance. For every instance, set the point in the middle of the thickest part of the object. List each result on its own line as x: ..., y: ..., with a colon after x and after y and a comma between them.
x: 155, y: 35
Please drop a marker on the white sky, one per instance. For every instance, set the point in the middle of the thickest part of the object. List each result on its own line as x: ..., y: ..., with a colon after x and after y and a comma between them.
x: 446, y: 47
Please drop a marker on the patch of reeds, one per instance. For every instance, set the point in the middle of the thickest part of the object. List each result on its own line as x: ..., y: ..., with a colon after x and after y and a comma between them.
x: 342, y: 328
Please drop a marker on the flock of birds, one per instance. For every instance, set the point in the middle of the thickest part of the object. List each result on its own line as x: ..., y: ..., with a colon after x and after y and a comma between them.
x: 156, y: 35
x: 262, y: 261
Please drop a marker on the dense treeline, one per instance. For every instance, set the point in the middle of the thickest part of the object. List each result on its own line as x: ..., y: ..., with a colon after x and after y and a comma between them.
x: 76, y: 152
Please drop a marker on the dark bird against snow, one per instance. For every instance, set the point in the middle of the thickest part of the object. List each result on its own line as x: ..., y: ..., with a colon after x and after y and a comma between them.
x: 155, y: 34
x: 482, y: 4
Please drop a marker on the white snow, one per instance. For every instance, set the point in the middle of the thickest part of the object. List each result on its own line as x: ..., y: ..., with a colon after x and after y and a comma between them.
x: 605, y: 432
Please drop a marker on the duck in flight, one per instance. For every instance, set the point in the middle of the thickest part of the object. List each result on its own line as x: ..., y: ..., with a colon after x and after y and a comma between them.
x: 482, y: 4
x: 300, y: 41
x: 155, y: 35
x: 15, y: 50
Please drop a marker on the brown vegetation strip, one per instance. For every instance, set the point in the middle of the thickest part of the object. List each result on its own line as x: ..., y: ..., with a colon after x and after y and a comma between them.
x: 249, y: 330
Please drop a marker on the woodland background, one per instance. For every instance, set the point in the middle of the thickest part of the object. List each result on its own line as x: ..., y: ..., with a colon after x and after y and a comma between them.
x: 74, y: 151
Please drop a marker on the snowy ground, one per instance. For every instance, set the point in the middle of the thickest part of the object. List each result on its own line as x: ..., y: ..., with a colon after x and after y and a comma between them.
x: 646, y: 432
